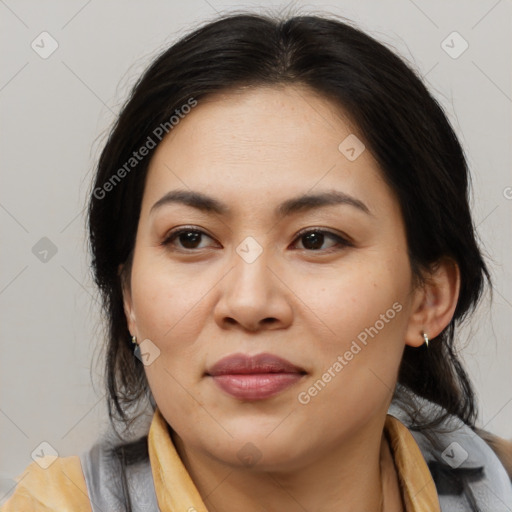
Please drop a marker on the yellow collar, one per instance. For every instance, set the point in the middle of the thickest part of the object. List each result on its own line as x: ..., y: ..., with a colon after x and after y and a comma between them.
x: 176, y: 491
x: 418, y: 488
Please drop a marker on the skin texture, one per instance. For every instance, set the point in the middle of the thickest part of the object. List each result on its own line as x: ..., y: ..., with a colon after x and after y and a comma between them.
x: 252, y: 149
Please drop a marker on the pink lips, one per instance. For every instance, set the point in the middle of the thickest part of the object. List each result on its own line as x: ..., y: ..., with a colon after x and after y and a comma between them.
x: 254, y: 377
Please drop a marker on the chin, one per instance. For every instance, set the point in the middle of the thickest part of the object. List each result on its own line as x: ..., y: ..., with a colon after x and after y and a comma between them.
x: 261, y: 446
x: 258, y: 456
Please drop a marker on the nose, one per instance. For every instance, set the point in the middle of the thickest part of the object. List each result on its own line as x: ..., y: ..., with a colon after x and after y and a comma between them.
x: 253, y: 296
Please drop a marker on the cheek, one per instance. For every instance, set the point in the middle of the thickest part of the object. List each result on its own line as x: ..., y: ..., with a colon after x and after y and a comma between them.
x: 169, y: 312
x: 349, y: 303
x: 360, y: 336
x: 166, y: 303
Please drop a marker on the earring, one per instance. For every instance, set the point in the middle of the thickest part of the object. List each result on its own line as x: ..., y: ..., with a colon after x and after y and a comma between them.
x: 425, y: 337
x: 136, y: 348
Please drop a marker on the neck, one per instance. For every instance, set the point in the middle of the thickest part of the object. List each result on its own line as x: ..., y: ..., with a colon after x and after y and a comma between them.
x: 342, y: 478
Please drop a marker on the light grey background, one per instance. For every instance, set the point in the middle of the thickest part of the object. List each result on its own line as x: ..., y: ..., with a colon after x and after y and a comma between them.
x: 55, y: 113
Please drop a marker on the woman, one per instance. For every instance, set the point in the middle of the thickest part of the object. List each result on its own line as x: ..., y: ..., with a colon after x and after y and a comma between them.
x: 281, y: 233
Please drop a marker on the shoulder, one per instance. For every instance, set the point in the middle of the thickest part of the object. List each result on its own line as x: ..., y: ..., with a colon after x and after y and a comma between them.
x: 466, y: 471
x: 118, y: 474
x: 501, y: 447
x: 50, y: 484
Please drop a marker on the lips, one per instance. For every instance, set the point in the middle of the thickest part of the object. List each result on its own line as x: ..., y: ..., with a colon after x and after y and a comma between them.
x: 244, y: 364
x: 254, y: 377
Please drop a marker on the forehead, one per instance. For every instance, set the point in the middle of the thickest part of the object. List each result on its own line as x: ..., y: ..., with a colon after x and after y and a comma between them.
x: 261, y: 143
x: 264, y: 121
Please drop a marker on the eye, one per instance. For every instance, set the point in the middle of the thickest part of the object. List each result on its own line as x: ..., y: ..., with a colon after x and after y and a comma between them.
x: 313, y: 240
x: 188, y: 238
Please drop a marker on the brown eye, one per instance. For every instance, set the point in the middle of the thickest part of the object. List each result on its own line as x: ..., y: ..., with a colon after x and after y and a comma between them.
x: 185, y: 238
x: 189, y: 239
x: 314, y: 239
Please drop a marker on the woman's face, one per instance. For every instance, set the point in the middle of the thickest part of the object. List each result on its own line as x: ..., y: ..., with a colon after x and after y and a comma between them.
x: 323, y: 283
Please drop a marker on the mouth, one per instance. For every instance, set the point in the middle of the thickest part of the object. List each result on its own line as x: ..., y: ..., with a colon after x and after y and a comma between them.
x: 254, y: 377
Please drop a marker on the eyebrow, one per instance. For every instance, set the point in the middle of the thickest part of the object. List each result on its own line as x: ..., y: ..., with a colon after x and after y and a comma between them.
x: 289, y: 207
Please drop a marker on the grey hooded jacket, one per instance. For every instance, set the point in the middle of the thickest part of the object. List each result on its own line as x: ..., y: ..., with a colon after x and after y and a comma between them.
x: 468, y: 475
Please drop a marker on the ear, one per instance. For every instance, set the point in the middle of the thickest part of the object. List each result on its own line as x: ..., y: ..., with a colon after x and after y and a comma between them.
x: 434, y: 302
x: 127, y: 300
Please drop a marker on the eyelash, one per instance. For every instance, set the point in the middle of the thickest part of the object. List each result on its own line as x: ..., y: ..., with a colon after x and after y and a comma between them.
x: 341, y: 241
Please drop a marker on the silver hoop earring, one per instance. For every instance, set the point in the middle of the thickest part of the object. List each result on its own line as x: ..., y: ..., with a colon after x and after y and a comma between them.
x: 425, y: 337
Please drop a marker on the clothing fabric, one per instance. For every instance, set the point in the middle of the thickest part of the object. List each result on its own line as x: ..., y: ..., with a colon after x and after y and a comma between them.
x: 468, y: 475
x: 452, y: 471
